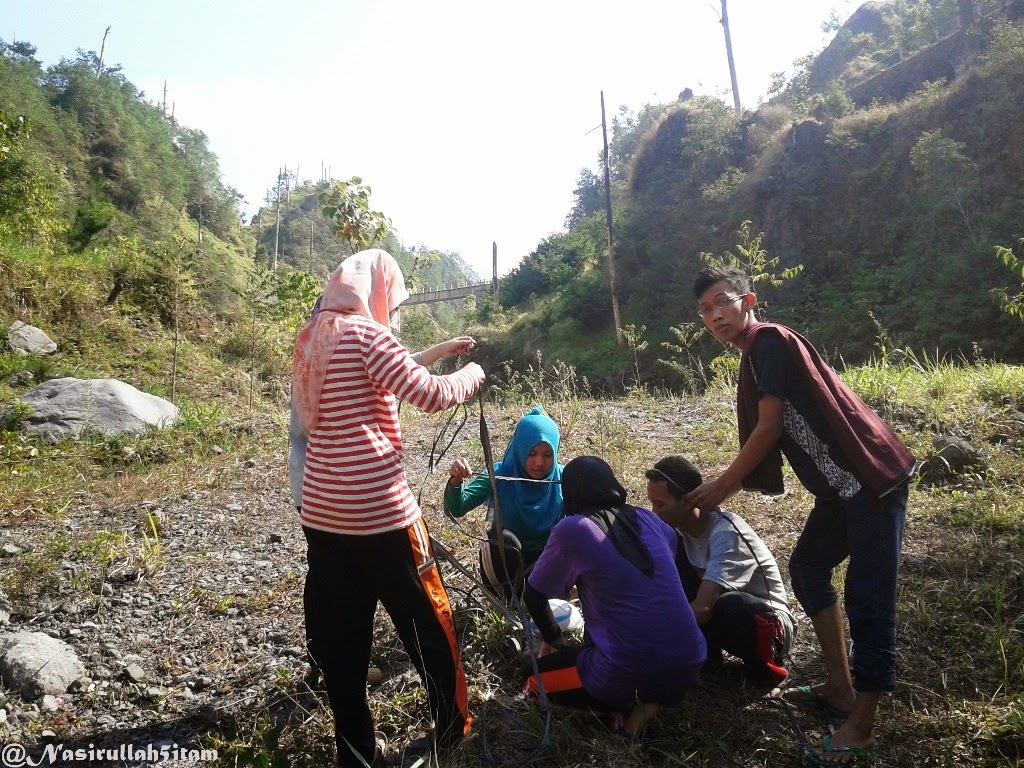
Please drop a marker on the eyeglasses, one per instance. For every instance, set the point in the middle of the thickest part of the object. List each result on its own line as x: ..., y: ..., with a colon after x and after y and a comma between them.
x: 719, y: 302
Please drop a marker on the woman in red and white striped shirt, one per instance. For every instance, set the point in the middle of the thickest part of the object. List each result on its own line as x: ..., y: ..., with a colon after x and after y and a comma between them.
x: 367, y: 541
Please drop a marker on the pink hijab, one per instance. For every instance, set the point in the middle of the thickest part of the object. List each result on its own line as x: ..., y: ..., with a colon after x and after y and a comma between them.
x: 368, y: 284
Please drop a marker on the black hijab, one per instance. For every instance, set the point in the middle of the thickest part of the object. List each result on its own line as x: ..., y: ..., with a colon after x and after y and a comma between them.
x: 589, y: 488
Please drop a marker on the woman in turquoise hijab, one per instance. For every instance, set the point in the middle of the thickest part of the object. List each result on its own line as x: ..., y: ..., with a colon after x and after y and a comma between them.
x: 530, y: 501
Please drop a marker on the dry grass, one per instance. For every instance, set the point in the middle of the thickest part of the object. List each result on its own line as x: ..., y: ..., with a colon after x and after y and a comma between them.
x: 960, y: 628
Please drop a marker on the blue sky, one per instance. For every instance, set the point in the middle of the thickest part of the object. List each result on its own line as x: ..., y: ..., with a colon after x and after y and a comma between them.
x: 470, y: 120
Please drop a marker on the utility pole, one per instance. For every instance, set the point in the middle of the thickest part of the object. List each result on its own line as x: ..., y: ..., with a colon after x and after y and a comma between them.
x: 259, y: 232
x: 619, y: 338
x: 494, y: 270
x: 165, y: 100
x: 277, y: 226
x: 728, y: 53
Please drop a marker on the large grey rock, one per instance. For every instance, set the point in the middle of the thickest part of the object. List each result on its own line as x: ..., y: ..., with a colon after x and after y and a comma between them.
x: 37, y: 664
x: 5, y: 609
x: 953, y: 458
x: 28, y: 340
x: 958, y: 454
x: 65, y: 408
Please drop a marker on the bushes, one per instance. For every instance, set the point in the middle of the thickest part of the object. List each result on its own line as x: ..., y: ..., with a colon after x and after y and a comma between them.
x: 261, y: 349
x: 92, y: 216
x: 57, y: 286
x: 29, y: 199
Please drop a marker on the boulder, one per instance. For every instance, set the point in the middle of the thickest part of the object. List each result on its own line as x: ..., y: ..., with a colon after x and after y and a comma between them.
x: 958, y: 454
x: 37, y: 664
x: 28, y: 340
x: 953, y: 457
x: 65, y: 408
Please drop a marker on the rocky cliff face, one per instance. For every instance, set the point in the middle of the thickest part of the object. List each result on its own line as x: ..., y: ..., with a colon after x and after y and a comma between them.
x: 862, y: 33
x: 900, y: 74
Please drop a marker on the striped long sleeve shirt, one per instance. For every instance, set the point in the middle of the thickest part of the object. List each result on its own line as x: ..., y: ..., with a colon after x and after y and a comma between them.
x: 354, y: 481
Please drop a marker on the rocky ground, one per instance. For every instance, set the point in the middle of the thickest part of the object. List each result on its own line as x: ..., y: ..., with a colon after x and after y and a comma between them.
x: 179, y: 589
x: 201, y: 622
x: 185, y: 610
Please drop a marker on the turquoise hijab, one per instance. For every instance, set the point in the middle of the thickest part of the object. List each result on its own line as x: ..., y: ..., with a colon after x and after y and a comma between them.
x: 530, y: 510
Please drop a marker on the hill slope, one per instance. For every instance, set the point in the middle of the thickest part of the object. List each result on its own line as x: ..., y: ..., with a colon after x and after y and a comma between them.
x: 893, y: 191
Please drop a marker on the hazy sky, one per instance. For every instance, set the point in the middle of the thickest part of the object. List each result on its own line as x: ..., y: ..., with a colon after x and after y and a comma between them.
x: 470, y: 120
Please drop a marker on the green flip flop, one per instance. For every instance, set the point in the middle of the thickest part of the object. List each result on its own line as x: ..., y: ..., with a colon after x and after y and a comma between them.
x: 828, y: 756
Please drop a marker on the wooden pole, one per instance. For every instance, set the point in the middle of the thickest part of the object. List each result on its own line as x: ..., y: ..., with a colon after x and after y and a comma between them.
x: 259, y: 232
x: 619, y: 338
x: 494, y: 270
x: 728, y: 53
x: 277, y: 226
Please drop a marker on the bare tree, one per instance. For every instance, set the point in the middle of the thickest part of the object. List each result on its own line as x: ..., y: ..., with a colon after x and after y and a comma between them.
x: 99, y: 61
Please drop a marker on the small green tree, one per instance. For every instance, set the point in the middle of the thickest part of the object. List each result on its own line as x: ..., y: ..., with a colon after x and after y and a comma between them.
x: 635, y: 339
x: 1007, y: 46
x: 295, y: 294
x: 794, y: 89
x: 685, y: 360
x: 1012, y: 305
x: 949, y: 178
x: 27, y: 206
x: 174, y: 281
x: 712, y: 129
x: 754, y: 261
x: 588, y: 198
x: 421, y: 261
x: 347, y: 205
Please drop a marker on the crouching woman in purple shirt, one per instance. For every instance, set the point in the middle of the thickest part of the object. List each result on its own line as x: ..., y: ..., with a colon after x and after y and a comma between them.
x: 642, y: 644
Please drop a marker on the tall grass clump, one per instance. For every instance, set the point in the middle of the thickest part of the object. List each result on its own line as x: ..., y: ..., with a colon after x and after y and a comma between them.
x: 943, y: 391
x: 557, y: 387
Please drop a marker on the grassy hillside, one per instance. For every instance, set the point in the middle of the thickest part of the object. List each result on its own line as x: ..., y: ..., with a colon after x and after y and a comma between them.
x: 893, y: 199
x: 118, y: 236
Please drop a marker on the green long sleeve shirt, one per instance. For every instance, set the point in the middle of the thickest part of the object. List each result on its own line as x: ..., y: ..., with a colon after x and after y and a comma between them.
x: 460, y: 499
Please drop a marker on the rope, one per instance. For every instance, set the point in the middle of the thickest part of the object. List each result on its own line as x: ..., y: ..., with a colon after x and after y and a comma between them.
x: 801, y: 737
x: 441, y: 552
x: 516, y: 615
x: 518, y: 479
x: 440, y: 435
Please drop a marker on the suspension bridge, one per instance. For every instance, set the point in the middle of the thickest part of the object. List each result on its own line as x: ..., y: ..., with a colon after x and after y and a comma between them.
x: 452, y: 292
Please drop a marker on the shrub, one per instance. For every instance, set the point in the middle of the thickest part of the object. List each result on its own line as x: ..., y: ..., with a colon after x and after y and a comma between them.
x: 1007, y: 46
x: 13, y: 416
